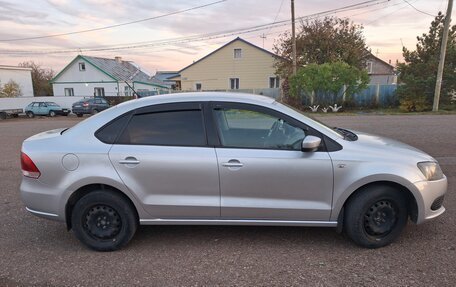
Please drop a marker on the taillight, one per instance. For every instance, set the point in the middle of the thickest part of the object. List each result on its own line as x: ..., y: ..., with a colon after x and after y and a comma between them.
x: 85, y: 104
x: 29, y: 168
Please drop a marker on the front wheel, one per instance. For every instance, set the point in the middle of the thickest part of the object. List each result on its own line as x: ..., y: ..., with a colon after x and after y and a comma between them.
x: 104, y: 221
x: 30, y: 114
x: 79, y: 115
x: 376, y: 216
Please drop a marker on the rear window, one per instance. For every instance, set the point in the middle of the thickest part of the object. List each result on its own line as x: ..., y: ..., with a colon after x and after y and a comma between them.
x: 173, y: 128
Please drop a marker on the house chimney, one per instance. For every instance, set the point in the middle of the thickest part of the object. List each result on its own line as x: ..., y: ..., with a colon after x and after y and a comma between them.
x: 118, y: 59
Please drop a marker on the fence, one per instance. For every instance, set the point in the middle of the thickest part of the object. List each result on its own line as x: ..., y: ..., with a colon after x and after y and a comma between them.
x: 373, y: 95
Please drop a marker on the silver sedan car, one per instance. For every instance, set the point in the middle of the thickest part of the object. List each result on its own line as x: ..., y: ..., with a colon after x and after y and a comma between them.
x: 227, y: 159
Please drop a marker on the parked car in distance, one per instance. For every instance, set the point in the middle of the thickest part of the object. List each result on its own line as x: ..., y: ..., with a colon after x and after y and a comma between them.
x: 89, y: 106
x: 228, y: 159
x: 45, y: 109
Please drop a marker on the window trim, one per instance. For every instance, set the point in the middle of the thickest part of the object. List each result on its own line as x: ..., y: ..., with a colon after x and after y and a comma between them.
x: 276, y: 81
x: 82, y: 66
x: 370, y: 67
x: 238, y: 83
x: 71, y: 94
x: 240, y: 53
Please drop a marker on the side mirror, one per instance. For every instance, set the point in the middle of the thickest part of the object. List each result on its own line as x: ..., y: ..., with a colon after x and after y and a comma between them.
x: 310, y: 143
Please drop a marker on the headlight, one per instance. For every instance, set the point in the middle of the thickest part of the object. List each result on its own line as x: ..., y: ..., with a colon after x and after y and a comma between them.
x: 431, y: 170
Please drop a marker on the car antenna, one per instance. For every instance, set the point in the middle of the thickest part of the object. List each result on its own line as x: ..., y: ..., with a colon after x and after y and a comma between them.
x: 134, y: 92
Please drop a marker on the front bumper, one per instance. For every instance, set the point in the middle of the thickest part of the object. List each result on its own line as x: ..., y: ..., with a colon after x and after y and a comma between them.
x: 430, y: 192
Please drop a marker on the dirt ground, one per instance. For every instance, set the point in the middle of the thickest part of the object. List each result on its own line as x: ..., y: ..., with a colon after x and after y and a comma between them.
x: 38, y: 252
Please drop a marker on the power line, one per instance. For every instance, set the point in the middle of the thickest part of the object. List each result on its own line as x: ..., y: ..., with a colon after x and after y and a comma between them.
x: 113, y: 26
x: 418, y: 9
x: 201, y: 37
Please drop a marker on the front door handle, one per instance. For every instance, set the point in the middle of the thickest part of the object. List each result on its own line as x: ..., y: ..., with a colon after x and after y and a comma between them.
x: 232, y: 163
x: 129, y: 160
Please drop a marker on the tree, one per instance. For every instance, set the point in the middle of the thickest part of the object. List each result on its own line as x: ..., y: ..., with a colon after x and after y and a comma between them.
x: 323, y: 41
x: 40, y: 79
x: 418, y: 73
x: 334, y: 80
x: 10, y: 90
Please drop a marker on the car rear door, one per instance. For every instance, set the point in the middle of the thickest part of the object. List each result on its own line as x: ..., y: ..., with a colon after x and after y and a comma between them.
x: 163, y: 157
x: 263, y: 172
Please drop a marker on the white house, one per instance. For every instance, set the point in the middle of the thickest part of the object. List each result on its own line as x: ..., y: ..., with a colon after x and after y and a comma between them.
x: 22, y: 76
x: 94, y: 76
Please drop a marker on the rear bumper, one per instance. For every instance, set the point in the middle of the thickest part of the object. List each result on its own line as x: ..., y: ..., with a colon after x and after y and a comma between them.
x: 41, y: 200
x: 81, y: 110
x: 431, y: 196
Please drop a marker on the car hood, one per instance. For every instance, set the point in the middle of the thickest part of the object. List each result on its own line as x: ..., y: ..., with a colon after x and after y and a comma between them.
x: 387, y: 148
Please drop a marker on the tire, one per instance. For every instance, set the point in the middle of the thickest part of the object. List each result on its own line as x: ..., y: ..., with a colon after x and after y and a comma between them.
x: 30, y: 114
x: 79, y: 115
x: 104, y: 221
x: 3, y: 116
x: 94, y: 112
x: 376, y: 216
x: 52, y: 114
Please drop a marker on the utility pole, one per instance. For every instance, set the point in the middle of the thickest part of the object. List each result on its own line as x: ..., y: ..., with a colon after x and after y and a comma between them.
x: 293, y: 37
x: 263, y: 36
x: 438, y: 82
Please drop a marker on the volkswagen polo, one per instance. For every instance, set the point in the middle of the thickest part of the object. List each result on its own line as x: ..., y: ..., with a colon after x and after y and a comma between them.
x: 227, y: 159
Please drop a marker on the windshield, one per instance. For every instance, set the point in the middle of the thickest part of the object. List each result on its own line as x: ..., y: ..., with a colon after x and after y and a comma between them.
x: 318, y: 123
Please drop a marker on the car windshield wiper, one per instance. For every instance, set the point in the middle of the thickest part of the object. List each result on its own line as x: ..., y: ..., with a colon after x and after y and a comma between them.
x: 348, y: 135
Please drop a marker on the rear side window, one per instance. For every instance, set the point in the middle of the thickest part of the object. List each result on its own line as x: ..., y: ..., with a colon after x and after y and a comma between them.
x: 108, y: 134
x: 172, y: 128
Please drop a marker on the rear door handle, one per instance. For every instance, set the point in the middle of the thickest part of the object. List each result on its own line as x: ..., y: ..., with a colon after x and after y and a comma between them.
x: 232, y: 163
x: 129, y: 160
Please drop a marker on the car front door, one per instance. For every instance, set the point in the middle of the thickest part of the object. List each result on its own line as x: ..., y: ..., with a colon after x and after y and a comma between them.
x: 163, y: 157
x: 43, y: 109
x: 264, y: 175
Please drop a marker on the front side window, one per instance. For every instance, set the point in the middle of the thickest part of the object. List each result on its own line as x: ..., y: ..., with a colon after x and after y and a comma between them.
x: 234, y: 83
x: 244, y: 128
x: 172, y: 128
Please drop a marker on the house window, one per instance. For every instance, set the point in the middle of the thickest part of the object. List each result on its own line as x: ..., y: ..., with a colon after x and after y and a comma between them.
x: 69, y: 92
x: 127, y: 91
x: 369, y: 66
x: 82, y: 66
x: 234, y: 83
x: 98, y: 92
x: 198, y: 86
x: 274, y: 82
x: 237, y: 53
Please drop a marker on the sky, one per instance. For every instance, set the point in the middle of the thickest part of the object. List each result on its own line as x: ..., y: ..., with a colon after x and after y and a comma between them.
x: 387, y: 26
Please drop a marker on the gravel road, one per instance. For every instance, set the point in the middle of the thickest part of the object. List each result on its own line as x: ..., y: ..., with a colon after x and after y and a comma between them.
x: 37, y: 252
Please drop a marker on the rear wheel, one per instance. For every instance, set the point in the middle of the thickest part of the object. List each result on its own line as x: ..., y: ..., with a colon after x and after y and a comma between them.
x: 376, y: 216
x: 30, y: 114
x: 52, y: 113
x: 79, y: 115
x: 104, y: 221
x: 94, y: 112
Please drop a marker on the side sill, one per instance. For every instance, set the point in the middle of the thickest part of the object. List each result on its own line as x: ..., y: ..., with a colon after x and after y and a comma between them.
x: 160, y: 221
